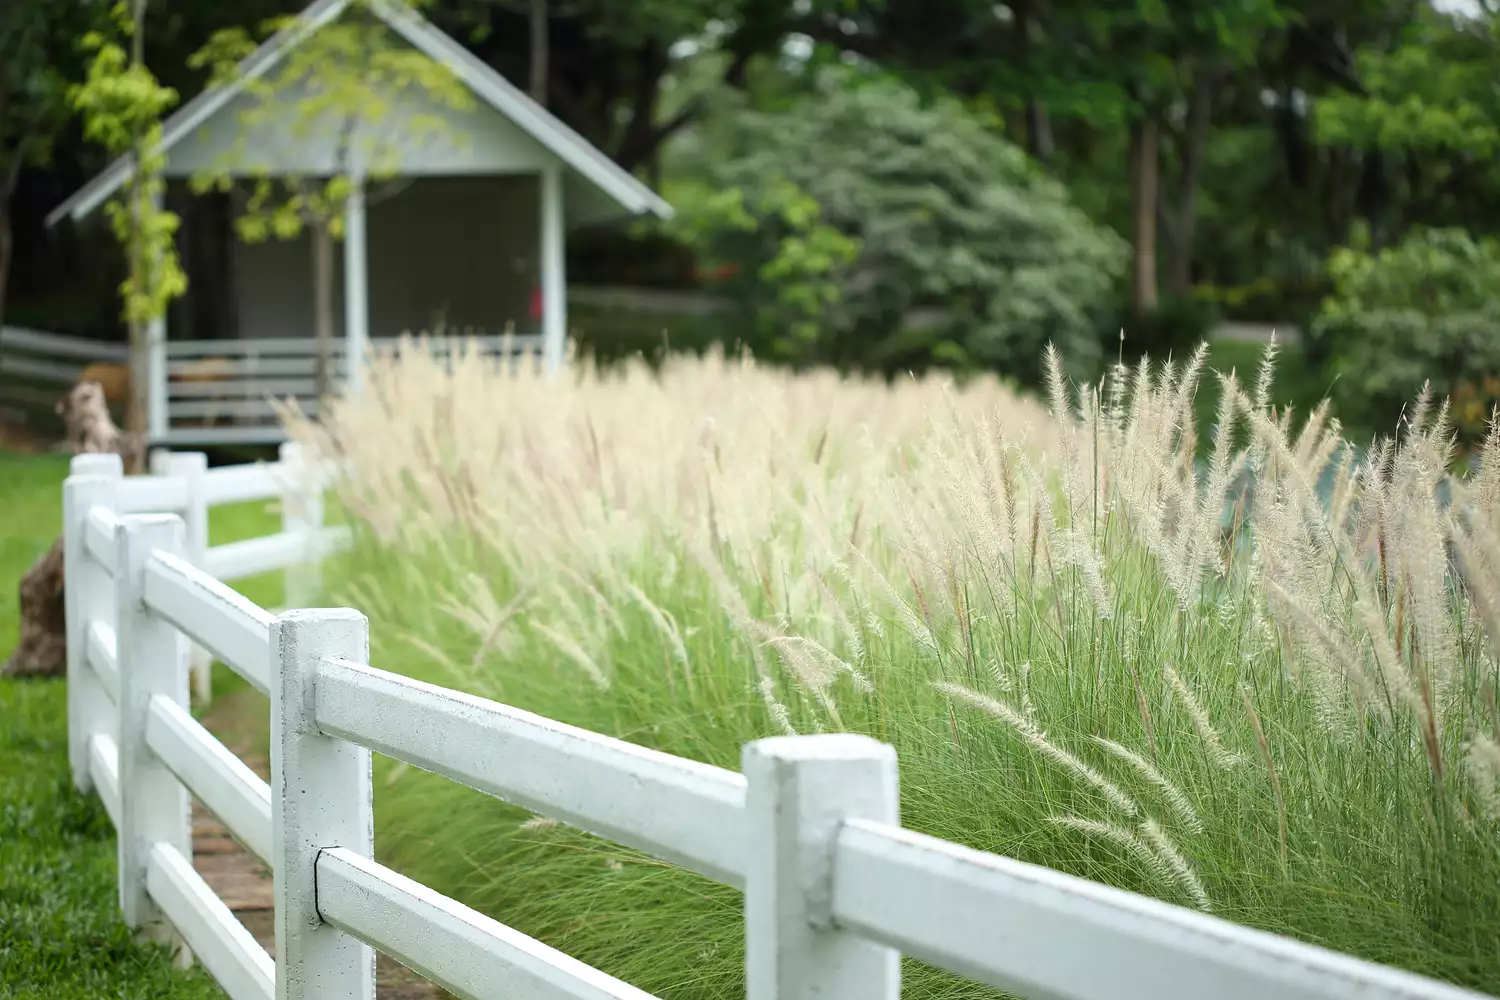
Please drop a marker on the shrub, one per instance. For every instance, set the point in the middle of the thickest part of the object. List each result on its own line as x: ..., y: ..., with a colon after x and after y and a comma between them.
x: 1424, y: 311
x: 871, y: 230
x: 1275, y: 705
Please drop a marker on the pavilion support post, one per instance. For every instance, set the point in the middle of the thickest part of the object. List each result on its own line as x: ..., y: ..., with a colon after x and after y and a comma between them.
x: 156, y: 374
x: 554, y: 277
x: 356, y: 292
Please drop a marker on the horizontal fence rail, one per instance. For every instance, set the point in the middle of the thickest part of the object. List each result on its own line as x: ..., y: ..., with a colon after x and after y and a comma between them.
x: 217, y: 391
x: 214, y: 615
x: 462, y: 950
x: 228, y: 951
x: 675, y: 809
x: 220, y: 780
x: 835, y: 890
x: 1022, y: 928
x: 222, y: 391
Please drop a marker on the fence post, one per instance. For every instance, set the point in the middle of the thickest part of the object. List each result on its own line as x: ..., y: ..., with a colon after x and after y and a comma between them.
x: 191, y: 467
x: 800, y: 789
x: 302, y: 513
x: 87, y: 596
x: 153, y: 803
x: 320, y: 798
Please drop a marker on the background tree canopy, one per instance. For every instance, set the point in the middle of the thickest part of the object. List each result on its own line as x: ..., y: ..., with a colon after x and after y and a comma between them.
x: 898, y: 183
x: 870, y: 228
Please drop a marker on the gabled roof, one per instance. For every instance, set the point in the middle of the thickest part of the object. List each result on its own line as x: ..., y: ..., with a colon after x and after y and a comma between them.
x: 489, y: 86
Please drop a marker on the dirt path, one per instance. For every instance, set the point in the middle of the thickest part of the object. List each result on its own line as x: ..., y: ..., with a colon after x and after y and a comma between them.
x: 244, y: 884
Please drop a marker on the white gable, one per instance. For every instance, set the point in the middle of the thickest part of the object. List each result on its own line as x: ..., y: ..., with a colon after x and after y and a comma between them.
x: 507, y: 133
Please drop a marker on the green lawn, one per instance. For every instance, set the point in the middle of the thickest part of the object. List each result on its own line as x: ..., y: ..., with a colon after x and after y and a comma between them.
x: 60, y: 928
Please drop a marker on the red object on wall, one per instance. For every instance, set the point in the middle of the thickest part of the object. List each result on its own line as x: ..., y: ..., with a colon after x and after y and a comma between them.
x: 536, y: 302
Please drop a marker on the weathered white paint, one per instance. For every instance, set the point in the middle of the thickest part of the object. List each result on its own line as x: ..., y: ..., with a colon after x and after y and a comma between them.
x: 320, y: 798
x: 801, y: 789
x: 103, y: 764
x: 679, y: 810
x: 464, y: 951
x: 1041, y: 933
x: 102, y: 658
x: 554, y: 274
x: 223, y: 621
x: 153, y: 805
x: 301, y: 516
x: 87, y: 596
x: 219, y: 779
x: 236, y: 560
x: 230, y: 953
x: 356, y: 291
x: 99, y: 535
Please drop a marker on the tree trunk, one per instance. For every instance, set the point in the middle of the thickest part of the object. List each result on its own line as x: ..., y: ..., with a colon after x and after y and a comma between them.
x: 7, y: 191
x: 138, y: 402
x: 322, y: 249
x: 5, y: 251
x: 1039, y: 131
x: 1185, y: 220
x: 539, y: 52
x: 1039, y: 142
x: 1145, y: 181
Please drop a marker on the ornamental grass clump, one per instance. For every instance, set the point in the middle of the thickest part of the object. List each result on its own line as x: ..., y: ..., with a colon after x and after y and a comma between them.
x: 1259, y: 684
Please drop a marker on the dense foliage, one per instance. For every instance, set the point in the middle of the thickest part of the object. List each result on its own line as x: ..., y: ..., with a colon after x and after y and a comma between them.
x: 1426, y: 311
x: 869, y: 228
x: 1233, y: 148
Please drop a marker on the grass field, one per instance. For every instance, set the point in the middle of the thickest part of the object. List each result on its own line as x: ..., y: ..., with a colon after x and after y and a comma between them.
x: 1088, y: 653
x: 60, y: 929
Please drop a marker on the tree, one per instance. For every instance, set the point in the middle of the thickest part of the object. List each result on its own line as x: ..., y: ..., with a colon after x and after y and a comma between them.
x: 1148, y: 68
x: 871, y: 230
x: 38, y: 60
x: 335, y: 81
x: 1428, y: 108
x: 121, y: 103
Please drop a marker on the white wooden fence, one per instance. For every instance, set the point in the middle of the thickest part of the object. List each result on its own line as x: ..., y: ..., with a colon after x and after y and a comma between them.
x: 835, y: 889
x: 182, y: 483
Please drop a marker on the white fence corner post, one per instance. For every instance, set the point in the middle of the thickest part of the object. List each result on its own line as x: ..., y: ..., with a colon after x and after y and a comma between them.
x: 800, y: 790
x: 192, y: 467
x: 320, y: 798
x: 87, y: 596
x: 301, y: 514
x: 154, y: 805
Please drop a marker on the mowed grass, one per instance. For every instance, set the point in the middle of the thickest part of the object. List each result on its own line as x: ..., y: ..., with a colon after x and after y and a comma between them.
x: 60, y: 929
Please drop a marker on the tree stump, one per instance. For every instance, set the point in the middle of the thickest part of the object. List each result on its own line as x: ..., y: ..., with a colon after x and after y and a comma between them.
x: 43, y: 647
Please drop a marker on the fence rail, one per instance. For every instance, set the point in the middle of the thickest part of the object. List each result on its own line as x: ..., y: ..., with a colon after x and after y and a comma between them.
x: 835, y: 889
x: 214, y: 391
